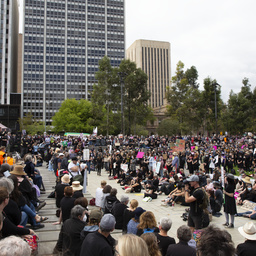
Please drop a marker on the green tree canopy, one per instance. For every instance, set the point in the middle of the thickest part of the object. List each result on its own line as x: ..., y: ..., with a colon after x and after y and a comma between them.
x: 73, y: 116
x: 107, y: 95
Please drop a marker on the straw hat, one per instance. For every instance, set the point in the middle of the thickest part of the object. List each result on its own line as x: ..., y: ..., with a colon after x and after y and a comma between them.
x: 76, y: 186
x: 65, y: 178
x: 175, y: 153
x: 247, y: 180
x: 248, y: 230
x: 18, y: 170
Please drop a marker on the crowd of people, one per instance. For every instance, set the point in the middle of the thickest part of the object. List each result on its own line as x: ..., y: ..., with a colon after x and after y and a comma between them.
x: 206, y: 175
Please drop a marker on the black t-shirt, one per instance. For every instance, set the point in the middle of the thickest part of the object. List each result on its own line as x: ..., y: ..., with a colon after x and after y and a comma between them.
x: 195, y: 209
x: 164, y: 242
x: 66, y: 204
x: 219, y: 196
x: 59, y: 189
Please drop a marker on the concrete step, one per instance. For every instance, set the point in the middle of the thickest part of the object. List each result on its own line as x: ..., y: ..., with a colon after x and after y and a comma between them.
x: 48, y: 235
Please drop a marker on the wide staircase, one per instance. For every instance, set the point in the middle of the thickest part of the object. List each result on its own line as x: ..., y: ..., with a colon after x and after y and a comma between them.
x: 48, y: 235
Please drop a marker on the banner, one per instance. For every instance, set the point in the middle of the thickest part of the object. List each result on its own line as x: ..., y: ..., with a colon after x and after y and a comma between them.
x: 179, y: 146
x: 140, y: 155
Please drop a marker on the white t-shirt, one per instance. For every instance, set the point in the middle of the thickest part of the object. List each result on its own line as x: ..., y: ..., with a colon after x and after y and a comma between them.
x: 70, y: 165
x: 98, y: 196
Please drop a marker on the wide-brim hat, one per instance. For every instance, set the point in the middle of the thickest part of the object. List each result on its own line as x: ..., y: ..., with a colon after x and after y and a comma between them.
x: 248, y: 230
x: 18, y: 170
x: 65, y: 178
x: 76, y: 186
x: 247, y: 180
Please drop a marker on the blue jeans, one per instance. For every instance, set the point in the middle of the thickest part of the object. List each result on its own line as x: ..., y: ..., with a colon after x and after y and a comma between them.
x: 38, y: 180
x: 31, y: 213
x: 88, y: 166
x: 24, y: 219
x: 253, y: 217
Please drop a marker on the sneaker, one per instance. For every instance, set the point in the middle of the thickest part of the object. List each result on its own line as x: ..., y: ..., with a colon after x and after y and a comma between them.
x: 40, y: 206
x: 230, y: 225
x: 226, y: 224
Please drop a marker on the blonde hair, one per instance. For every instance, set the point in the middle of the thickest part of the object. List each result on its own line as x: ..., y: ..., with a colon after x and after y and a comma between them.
x: 151, y: 242
x: 131, y: 244
x: 134, y: 203
x: 147, y: 220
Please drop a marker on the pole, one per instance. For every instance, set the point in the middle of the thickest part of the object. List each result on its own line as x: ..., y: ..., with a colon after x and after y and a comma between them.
x: 122, y: 108
x: 215, y: 101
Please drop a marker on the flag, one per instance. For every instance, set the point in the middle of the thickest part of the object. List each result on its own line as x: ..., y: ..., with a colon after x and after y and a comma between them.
x: 95, y: 131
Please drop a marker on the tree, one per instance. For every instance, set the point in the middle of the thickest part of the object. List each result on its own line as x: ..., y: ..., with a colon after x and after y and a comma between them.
x: 168, y: 127
x: 74, y: 115
x: 135, y: 93
x: 240, y: 114
x: 184, y: 99
x: 208, y: 99
x: 31, y: 125
x: 107, y: 95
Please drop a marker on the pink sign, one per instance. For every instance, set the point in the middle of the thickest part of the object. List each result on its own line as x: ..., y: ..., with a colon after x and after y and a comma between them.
x: 140, y: 155
x: 192, y: 147
x: 242, y: 146
x: 215, y: 147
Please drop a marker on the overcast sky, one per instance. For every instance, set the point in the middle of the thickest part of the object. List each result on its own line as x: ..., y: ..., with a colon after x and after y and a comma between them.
x: 217, y: 37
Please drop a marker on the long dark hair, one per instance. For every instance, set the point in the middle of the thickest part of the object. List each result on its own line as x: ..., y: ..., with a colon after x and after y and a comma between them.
x: 15, y: 195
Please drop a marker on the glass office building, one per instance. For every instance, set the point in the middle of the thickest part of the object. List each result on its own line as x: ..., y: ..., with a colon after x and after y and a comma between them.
x: 9, y: 96
x: 63, y: 43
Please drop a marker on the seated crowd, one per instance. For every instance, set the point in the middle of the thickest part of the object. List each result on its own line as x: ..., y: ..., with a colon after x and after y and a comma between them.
x: 85, y: 232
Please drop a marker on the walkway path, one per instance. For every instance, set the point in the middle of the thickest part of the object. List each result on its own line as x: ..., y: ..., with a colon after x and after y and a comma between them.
x: 49, y: 234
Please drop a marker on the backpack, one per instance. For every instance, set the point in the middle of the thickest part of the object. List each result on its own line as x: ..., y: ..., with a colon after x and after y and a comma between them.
x: 109, y: 205
x: 148, y: 230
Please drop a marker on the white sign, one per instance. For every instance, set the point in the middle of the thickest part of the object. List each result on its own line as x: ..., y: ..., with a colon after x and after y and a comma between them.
x: 222, y: 176
x: 157, y: 166
x: 124, y: 167
x: 86, y: 154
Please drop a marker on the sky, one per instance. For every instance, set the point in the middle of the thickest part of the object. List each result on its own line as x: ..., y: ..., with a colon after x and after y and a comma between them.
x: 217, y: 37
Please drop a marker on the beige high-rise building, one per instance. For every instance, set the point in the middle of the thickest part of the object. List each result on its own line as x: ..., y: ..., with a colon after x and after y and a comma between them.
x: 153, y: 57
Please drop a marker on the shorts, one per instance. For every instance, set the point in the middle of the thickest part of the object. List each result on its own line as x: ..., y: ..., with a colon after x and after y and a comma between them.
x: 195, y: 221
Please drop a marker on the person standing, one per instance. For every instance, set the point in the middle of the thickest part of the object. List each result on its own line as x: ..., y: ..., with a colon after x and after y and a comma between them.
x: 230, y: 203
x: 195, y: 199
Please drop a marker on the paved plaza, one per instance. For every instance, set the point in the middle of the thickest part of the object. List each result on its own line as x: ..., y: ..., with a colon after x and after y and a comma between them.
x: 49, y: 235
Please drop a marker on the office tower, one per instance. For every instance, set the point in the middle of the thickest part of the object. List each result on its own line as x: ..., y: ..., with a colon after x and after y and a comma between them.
x: 63, y: 43
x: 9, y: 99
x: 153, y: 57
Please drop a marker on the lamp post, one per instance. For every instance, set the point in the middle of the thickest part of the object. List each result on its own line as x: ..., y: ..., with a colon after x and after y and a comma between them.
x: 121, y: 76
x: 215, y: 103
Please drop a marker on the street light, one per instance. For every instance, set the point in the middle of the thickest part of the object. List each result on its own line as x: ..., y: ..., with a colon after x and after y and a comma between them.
x: 121, y: 76
x: 215, y: 101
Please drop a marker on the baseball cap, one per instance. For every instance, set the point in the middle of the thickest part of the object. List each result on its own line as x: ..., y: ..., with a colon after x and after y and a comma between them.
x: 95, y: 214
x: 108, y: 222
x: 193, y: 178
x: 137, y: 212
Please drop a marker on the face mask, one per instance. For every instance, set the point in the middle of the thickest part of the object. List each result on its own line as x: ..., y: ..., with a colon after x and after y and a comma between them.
x: 249, y: 189
x: 85, y: 218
